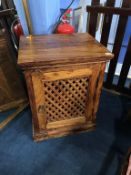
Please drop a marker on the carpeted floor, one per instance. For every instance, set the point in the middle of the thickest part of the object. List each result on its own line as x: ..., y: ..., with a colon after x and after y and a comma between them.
x: 98, y: 152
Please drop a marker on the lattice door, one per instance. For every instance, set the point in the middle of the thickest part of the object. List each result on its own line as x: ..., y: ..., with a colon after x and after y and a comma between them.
x: 61, y: 98
x: 65, y: 99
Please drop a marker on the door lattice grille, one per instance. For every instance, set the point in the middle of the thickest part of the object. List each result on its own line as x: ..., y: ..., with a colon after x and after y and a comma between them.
x: 65, y: 99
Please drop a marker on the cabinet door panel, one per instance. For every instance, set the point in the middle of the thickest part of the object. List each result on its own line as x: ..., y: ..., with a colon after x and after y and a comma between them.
x: 63, y: 101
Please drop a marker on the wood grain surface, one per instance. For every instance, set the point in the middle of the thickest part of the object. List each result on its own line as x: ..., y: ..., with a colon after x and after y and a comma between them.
x: 11, y: 90
x: 64, y: 75
x: 60, y: 49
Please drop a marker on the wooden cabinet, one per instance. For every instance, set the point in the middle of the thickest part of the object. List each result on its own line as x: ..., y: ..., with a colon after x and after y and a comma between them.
x: 64, y: 75
x: 12, y: 93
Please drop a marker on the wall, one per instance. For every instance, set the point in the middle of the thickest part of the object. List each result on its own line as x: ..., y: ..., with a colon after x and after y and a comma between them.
x: 43, y: 15
x: 64, y: 3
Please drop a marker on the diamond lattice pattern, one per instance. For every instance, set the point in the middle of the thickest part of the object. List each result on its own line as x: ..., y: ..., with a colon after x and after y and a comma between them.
x: 65, y: 99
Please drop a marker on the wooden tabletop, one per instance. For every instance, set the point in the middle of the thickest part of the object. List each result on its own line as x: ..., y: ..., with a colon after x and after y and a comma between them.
x: 61, y: 49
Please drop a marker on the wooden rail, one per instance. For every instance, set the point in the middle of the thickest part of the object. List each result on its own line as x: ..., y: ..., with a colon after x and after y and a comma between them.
x: 109, y: 10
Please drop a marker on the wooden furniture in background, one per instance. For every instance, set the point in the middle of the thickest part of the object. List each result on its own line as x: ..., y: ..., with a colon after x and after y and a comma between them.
x: 12, y: 93
x: 124, y: 13
x: 64, y: 75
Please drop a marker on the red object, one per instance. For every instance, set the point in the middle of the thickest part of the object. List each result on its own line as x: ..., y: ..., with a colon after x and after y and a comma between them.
x: 18, y: 30
x: 65, y: 28
x: 68, y: 12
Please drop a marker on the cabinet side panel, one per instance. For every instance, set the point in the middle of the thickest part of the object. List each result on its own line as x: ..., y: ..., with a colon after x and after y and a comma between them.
x: 94, y: 90
x: 35, y: 98
x: 99, y: 84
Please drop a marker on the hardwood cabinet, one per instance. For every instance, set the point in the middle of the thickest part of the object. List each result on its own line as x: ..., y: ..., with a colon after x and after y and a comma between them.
x: 64, y: 75
x: 12, y: 93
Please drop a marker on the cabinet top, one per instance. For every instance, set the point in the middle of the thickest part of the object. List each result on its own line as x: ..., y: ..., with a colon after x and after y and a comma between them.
x: 49, y: 50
